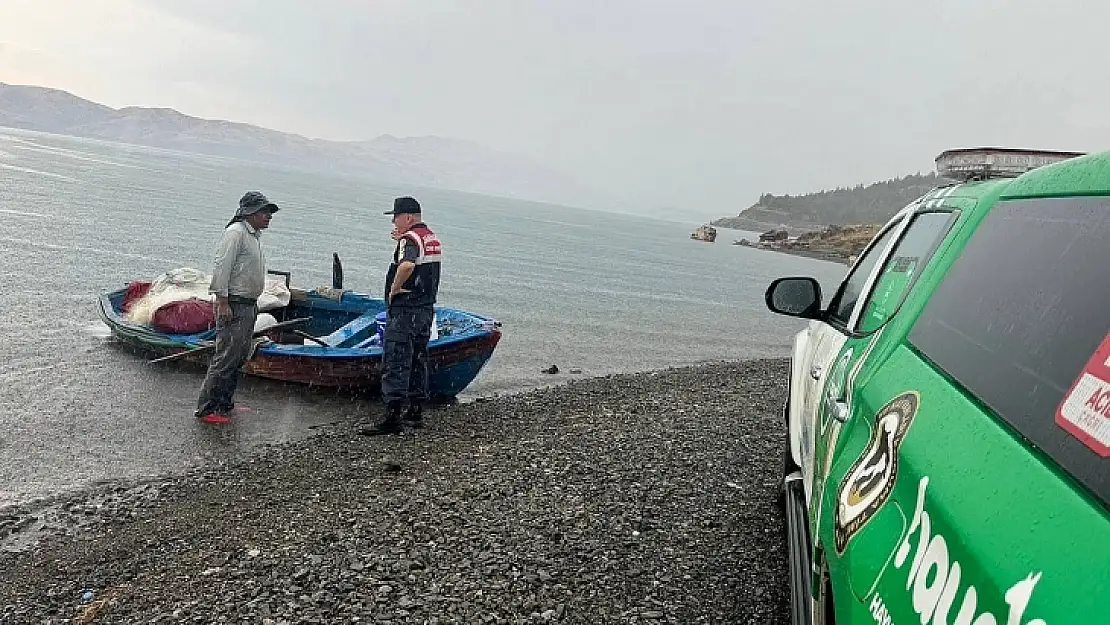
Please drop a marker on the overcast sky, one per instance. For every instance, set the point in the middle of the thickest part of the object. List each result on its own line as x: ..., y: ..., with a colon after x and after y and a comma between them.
x: 702, y: 104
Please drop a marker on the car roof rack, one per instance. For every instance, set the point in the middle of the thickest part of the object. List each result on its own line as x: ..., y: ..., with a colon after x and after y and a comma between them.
x: 968, y: 164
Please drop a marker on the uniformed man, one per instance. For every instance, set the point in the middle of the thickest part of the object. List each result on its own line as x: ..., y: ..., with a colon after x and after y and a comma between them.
x: 411, y: 286
x: 238, y: 279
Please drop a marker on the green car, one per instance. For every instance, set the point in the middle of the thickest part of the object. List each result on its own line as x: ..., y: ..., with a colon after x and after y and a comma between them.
x: 948, y: 413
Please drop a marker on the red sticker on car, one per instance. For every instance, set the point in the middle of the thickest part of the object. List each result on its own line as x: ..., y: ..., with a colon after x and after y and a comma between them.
x: 1085, y: 411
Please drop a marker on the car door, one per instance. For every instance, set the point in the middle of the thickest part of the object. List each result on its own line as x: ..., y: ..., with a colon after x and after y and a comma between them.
x: 865, y: 301
x: 827, y: 338
x: 924, y: 232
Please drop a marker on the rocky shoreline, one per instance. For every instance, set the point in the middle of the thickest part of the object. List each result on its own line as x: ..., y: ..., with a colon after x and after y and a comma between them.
x: 834, y: 243
x: 643, y: 498
x: 828, y: 256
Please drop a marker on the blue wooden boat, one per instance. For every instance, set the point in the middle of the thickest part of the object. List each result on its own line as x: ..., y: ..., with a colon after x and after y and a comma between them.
x: 345, y: 322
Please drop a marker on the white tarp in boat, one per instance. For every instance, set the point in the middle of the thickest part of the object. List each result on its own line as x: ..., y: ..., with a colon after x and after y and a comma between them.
x: 187, y: 283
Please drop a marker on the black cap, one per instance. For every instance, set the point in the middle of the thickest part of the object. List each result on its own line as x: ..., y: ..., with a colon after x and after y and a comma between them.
x: 403, y: 205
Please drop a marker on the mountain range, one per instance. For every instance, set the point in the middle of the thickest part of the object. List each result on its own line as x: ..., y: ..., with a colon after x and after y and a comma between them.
x: 421, y: 161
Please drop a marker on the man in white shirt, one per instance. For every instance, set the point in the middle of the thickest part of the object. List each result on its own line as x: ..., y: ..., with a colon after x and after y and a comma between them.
x: 238, y: 278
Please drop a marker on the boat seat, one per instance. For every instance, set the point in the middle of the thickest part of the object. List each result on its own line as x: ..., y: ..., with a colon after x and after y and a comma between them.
x: 368, y: 343
x: 353, y: 333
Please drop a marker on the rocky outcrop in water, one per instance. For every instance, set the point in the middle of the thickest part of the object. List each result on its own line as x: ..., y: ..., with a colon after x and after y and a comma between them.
x: 705, y: 233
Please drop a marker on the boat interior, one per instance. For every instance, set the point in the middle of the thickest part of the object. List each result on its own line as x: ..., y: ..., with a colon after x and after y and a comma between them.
x: 338, y: 319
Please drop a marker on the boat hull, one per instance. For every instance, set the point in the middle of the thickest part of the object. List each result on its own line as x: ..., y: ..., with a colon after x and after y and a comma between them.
x: 453, y: 364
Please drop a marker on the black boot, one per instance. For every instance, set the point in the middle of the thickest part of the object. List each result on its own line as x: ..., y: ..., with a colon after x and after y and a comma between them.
x: 391, y: 424
x: 415, y: 415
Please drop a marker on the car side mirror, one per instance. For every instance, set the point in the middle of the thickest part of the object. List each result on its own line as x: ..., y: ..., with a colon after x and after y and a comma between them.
x: 795, y: 297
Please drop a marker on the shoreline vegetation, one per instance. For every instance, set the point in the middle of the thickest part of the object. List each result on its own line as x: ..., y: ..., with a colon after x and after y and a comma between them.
x: 871, y: 204
x: 803, y: 225
x: 638, y: 498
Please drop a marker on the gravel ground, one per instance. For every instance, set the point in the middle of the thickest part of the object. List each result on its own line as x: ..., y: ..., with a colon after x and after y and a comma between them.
x: 646, y: 498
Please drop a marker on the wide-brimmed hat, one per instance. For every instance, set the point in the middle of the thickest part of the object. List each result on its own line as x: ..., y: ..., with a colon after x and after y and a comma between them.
x: 254, y: 201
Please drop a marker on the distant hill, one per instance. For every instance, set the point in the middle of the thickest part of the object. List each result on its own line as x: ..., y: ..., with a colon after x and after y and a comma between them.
x: 423, y: 161
x: 871, y: 204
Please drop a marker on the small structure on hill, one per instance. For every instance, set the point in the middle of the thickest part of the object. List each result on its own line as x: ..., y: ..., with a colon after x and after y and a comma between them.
x: 985, y: 163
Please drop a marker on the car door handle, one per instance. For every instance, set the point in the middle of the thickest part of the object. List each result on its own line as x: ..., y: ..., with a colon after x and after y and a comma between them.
x: 837, y: 409
x: 815, y: 372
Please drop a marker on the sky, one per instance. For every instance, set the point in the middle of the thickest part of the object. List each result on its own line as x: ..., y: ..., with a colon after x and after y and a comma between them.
x: 700, y: 105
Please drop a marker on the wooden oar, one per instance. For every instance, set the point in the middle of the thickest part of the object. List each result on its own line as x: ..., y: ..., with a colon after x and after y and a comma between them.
x: 212, y: 345
x: 306, y: 335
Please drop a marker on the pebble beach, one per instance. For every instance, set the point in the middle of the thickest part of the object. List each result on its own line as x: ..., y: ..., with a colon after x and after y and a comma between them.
x: 638, y: 498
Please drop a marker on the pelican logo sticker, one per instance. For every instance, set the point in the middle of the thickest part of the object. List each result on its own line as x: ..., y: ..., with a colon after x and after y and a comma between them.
x: 871, y: 478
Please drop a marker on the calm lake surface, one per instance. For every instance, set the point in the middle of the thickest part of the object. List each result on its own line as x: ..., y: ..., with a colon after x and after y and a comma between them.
x: 600, y: 292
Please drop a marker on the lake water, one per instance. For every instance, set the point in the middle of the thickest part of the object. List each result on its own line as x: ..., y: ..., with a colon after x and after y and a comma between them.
x: 600, y: 292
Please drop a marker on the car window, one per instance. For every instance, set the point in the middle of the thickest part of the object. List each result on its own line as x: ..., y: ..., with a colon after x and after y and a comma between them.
x: 906, y: 260
x: 1019, y: 319
x: 846, y: 299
